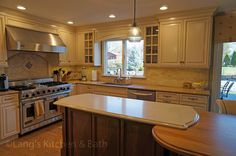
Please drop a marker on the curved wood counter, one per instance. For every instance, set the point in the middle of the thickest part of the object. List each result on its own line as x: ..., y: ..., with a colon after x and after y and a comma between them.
x: 214, y: 134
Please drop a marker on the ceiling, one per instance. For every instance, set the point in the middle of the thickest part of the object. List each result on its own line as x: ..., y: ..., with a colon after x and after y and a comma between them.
x: 84, y: 12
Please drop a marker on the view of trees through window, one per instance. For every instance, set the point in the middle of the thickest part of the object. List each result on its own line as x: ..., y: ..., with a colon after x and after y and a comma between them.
x: 124, y: 55
x: 134, y: 51
x: 228, y: 71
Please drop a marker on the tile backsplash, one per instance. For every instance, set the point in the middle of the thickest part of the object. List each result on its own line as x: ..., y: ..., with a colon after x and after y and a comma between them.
x: 174, y: 77
x: 27, y: 66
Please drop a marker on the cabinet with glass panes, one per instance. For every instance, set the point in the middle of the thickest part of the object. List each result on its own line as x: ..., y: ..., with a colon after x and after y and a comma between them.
x: 151, y: 45
x: 88, y: 47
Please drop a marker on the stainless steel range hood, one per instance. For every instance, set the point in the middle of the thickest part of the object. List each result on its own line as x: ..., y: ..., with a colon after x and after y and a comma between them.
x: 19, y: 39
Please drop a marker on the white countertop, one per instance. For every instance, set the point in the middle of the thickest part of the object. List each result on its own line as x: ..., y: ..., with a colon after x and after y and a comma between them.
x: 146, y: 87
x: 155, y: 113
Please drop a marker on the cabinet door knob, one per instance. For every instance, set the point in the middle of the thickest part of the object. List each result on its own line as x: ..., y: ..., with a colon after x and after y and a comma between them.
x: 181, y: 62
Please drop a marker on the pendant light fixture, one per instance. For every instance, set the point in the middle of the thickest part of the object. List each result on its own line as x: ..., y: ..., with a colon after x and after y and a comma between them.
x: 134, y: 31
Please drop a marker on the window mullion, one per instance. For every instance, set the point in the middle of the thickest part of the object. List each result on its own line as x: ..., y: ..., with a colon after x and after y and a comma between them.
x: 124, y: 57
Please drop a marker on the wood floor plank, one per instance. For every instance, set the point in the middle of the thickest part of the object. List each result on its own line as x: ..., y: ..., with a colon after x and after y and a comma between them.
x: 43, y: 142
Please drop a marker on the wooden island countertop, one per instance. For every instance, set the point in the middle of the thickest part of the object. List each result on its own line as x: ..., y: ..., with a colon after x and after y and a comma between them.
x: 214, y: 134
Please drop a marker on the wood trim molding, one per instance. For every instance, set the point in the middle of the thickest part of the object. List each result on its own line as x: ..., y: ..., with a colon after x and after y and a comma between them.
x: 10, y: 13
x: 180, y: 15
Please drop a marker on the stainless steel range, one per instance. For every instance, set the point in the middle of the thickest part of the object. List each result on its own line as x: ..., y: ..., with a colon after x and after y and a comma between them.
x: 36, y: 102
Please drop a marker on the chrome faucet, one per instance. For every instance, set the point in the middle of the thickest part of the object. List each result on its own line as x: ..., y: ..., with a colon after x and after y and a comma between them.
x: 119, y: 78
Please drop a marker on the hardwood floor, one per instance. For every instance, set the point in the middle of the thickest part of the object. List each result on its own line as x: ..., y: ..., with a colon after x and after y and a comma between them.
x: 43, y: 142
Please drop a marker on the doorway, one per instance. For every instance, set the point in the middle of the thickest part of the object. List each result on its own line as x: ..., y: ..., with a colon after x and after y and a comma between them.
x: 228, y: 72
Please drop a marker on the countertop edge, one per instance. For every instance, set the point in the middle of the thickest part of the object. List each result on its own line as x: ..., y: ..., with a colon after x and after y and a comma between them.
x: 7, y: 92
x: 144, y: 87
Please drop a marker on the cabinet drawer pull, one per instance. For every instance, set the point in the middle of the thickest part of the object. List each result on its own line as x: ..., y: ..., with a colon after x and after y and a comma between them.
x: 192, y: 98
x: 9, y: 99
x: 166, y: 96
x: 167, y: 101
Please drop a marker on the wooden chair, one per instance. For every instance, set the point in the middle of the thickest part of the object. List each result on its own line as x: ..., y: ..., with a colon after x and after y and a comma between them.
x: 226, y: 106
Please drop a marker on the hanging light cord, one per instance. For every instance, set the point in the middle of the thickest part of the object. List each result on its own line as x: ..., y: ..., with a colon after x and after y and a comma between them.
x: 134, y: 22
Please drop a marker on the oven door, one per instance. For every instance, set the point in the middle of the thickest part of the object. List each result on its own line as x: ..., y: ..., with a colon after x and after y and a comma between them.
x: 28, y: 114
x: 52, y: 110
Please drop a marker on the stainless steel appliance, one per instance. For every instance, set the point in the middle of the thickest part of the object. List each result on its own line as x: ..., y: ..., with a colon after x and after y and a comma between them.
x: 21, y: 39
x: 148, y: 95
x: 4, y: 82
x: 36, y: 102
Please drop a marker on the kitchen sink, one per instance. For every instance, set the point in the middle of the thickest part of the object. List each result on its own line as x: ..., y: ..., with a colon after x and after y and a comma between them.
x: 117, y: 84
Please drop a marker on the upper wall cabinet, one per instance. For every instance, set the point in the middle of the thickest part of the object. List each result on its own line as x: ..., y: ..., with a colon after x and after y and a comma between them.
x: 170, y: 48
x: 197, y: 42
x: 185, y: 42
x: 3, y: 50
x: 89, y: 51
x: 151, y: 45
x: 70, y: 57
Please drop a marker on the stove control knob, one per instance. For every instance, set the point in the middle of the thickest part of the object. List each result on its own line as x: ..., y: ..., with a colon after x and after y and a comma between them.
x: 53, y: 90
x: 58, y: 90
x: 38, y: 92
x: 33, y: 94
x: 49, y: 91
x: 44, y: 92
x: 27, y: 95
x: 68, y: 88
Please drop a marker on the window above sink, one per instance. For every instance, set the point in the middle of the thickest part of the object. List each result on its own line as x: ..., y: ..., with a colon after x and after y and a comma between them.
x: 124, y: 55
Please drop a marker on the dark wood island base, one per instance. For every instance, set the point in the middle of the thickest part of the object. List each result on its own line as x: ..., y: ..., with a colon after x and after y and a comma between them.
x: 90, y: 134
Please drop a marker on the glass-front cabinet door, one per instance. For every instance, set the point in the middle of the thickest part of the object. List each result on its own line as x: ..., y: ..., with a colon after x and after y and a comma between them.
x: 88, y: 47
x: 151, y: 45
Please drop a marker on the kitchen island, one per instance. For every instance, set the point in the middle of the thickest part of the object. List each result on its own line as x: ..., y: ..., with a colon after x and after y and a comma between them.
x: 105, y: 125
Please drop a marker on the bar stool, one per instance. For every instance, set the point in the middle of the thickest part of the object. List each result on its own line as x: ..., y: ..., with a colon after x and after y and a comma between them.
x: 226, y: 106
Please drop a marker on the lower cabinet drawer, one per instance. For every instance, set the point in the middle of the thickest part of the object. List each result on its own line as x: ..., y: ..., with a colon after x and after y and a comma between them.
x: 193, y: 99
x: 167, y: 97
x: 9, y: 98
x: 168, y: 101
x: 203, y: 108
x: 85, y: 89
x: 120, y: 92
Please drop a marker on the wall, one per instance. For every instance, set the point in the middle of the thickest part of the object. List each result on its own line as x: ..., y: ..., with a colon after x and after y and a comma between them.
x: 159, y: 76
x: 155, y: 76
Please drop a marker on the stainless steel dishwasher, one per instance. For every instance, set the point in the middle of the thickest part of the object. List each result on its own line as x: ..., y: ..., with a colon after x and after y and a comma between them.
x: 147, y: 95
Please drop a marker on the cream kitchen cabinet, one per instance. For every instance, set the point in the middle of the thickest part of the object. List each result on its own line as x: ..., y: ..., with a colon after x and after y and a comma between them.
x: 9, y: 116
x: 170, y: 43
x: 101, y: 90
x: 70, y: 57
x: 83, y: 89
x: 197, y: 42
x: 185, y: 43
x: 198, y: 102
x: 89, y: 50
x: 3, y: 50
x: 167, y: 97
x: 74, y: 90
x: 111, y: 91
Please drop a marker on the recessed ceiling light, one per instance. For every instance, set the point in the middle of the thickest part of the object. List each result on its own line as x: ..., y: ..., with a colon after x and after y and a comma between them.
x: 54, y: 26
x: 70, y: 22
x: 21, y: 7
x: 112, y: 16
x: 164, y: 7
